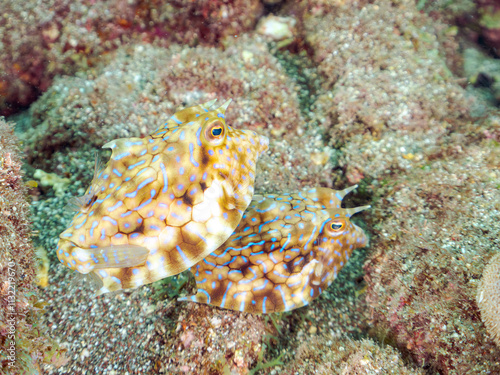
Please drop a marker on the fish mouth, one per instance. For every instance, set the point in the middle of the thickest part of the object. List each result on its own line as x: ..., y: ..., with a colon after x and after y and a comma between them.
x: 361, y: 238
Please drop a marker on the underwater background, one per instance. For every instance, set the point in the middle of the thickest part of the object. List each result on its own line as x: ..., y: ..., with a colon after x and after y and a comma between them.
x: 399, y: 97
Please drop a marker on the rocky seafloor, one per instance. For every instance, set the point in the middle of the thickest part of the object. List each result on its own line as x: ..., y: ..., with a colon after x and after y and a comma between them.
x: 367, y: 93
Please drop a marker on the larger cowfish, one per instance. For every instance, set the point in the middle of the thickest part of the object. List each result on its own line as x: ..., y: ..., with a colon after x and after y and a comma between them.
x: 286, y: 250
x: 164, y: 202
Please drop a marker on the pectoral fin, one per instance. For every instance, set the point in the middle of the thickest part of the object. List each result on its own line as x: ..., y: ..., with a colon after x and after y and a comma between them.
x: 114, y: 256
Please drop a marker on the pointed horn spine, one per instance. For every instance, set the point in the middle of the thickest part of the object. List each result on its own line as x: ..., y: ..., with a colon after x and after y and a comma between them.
x: 209, y: 104
x: 224, y: 106
x: 352, y: 211
x: 346, y: 191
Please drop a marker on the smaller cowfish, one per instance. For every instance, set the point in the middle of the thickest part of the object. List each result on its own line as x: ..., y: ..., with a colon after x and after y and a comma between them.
x: 286, y: 250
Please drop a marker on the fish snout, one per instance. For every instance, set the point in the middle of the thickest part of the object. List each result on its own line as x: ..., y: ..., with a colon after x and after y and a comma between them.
x: 255, y: 142
x: 263, y: 144
x: 361, y: 238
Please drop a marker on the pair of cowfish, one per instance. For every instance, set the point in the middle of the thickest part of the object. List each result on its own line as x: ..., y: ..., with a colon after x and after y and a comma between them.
x: 182, y: 198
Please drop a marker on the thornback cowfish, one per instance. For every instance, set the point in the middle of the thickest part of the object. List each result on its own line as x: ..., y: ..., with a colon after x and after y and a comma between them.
x: 163, y: 202
x: 286, y: 250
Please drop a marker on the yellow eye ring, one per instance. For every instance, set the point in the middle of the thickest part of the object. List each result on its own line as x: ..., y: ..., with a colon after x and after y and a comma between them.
x: 337, y: 225
x: 216, y: 131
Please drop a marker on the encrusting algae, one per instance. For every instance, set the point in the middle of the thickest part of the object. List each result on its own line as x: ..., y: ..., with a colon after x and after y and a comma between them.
x: 286, y: 250
x: 164, y: 202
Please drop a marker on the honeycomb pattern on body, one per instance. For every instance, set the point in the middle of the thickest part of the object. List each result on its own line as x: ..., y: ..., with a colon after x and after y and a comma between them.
x: 163, y: 202
x: 286, y: 250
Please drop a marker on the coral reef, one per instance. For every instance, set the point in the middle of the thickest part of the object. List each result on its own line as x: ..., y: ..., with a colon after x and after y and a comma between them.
x: 427, y: 169
x: 383, y: 71
x: 24, y: 345
x: 42, y: 40
x: 327, y: 355
x: 488, y: 298
x: 436, y: 224
x: 208, y: 340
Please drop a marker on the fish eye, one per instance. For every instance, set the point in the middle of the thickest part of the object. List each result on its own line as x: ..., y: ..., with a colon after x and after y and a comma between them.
x: 337, y: 225
x: 215, y: 132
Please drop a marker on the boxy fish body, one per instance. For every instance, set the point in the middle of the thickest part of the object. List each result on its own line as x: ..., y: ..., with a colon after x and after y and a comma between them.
x: 164, y: 202
x: 286, y: 250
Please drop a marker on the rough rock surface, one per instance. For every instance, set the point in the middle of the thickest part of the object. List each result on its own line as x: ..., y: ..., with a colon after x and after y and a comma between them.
x: 40, y: 40
x: 23, y: 349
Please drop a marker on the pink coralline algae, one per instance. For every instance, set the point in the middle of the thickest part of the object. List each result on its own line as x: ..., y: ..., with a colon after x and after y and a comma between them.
x: 41, y: 41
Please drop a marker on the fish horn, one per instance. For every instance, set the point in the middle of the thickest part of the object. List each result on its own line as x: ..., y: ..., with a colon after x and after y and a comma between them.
x: 352, y: 211
x: 207, y: 105
x: 346, y: 191
x: 223, y: 107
